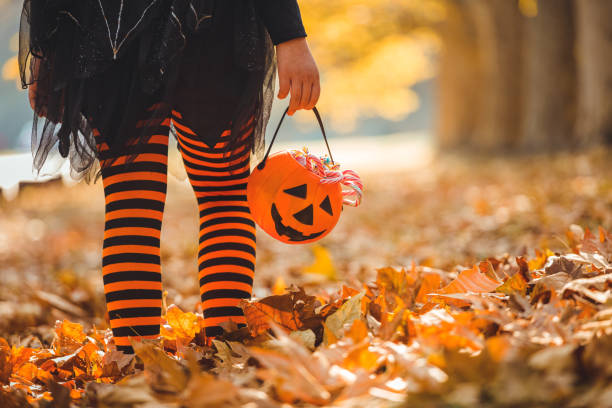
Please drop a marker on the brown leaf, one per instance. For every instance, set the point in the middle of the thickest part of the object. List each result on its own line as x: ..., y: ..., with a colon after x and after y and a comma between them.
x: 595, y: 290
x: 570, y: 265
x: 164, y: 373
x: 523, y: 268
x: 6, y: 366
x: 58, y: 302
x: 294, y: 310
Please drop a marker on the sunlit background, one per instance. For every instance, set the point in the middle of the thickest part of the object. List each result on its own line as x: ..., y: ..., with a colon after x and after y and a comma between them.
x: 478, y: 126
x: 480, y: 75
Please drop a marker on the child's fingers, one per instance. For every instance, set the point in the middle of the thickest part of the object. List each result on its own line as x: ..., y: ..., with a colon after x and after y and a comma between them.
x: 284, y: 85
x: 306, y: 95
x: 314, y: 95
x: 296, y: 97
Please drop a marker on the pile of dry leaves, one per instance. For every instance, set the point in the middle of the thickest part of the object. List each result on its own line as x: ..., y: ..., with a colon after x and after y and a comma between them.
x: 506, y: 332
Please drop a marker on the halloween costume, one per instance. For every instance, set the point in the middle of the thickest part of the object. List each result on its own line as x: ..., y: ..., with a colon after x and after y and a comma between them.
x: 106, y: 64
x: 112, y: 78
x: 135, y: 198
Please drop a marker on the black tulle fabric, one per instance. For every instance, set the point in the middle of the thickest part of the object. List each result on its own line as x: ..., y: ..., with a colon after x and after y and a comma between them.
x: 120, y: 66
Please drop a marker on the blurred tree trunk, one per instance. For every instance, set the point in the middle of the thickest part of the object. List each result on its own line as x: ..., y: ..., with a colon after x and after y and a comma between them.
x: 594, y: 53
x: 499, y: 25
x: 480, y: 75
x: 549, y: 87
x: 458, y: 78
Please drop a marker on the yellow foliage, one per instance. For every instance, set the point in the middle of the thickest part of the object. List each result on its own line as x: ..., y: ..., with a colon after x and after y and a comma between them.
x: 10, y: 70
x: 370, y: 53
x: 529, y: 8
x: 323, y: 264
x: 279, y: 286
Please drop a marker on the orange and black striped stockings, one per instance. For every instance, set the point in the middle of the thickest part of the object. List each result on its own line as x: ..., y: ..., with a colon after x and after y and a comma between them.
x: 135, y: 198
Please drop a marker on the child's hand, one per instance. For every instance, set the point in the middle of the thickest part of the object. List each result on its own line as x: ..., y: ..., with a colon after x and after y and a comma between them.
x: 297, y: 74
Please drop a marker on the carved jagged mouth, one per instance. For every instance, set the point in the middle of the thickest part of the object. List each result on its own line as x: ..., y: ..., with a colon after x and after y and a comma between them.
x: 292, y: 234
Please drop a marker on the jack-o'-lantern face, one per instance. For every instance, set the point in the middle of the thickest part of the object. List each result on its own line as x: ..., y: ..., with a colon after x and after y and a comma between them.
x: 290, y: 203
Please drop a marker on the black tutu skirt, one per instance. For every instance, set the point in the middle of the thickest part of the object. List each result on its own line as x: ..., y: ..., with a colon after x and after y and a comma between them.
x: 119, y: 67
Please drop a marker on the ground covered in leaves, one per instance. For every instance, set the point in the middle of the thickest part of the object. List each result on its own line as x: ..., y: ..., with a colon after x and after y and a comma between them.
x: 466, y: 282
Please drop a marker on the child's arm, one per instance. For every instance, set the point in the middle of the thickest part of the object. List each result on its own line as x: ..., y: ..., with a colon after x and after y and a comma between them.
x: 297, y: 70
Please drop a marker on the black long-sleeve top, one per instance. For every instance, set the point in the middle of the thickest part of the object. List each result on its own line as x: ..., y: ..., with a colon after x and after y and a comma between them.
x: 282, y: 19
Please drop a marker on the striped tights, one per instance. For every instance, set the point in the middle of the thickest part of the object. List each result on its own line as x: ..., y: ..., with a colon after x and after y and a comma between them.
x: 135, y: 198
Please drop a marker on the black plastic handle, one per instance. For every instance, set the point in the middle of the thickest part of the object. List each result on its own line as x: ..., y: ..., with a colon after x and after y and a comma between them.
x: 261, y: 165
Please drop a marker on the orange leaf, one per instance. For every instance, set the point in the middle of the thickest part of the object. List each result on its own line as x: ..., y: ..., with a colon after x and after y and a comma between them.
x: 362, y: 358
x: 279, y: 286
x: 183, y: 325
x: 75, y: 394
x: 498, y: 347
x: 27, y: 372
x: 470, y: 280
x: 431, y: 282
x: 68, y: 337
x: 358, y: 331
x: 347, y: 292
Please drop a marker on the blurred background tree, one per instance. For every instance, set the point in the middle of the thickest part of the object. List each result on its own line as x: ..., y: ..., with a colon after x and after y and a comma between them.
x: 510, y: 75
x: 525, y: 75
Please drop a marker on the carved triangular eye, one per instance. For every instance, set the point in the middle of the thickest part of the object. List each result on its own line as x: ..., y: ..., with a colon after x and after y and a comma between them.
x: 299, y: 191
x: 326, y: 206
x: 304, y: 216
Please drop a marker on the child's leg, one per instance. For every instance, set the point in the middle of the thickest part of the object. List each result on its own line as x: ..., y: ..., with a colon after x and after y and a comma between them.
x: 226, y: 254
x: 135, y: 199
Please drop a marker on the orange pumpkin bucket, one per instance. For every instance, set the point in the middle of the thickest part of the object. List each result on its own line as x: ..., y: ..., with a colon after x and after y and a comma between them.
x: 297, y: 197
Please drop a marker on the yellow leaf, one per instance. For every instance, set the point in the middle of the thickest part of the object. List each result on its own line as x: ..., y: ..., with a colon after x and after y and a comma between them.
x: 515, y: 283
x: 329, y: 337
x: 279, y: 286
x: 322, y: 264
x: 305, y: 337
x: 345, y: 315
x: 183, y: 325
